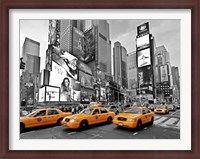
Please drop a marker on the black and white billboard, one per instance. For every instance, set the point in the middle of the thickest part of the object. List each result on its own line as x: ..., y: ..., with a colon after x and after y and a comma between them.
x: 144, y: 57
x: 143, y: 42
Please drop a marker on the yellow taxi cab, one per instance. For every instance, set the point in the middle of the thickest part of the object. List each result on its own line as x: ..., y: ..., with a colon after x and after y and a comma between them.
x: 89, y: 116
x: 134, y: 117
x: 41, y: 117
x: 161, y: 109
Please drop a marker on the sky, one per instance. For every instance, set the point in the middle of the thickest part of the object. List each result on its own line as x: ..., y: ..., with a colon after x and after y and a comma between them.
x: 165, y: 32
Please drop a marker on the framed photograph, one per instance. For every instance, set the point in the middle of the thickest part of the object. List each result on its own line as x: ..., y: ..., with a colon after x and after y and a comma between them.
x: 127, y: 71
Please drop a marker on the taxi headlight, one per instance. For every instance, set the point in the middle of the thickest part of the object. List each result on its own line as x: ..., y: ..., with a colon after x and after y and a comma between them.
x: 73, y: 120
x: 131, y: 120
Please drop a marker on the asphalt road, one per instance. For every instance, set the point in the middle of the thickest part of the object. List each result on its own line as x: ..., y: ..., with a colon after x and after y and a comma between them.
x: 165, y: 127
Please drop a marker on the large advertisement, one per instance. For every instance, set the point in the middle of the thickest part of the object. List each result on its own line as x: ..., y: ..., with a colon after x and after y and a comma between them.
x: 142, y: 42
x: 52, y: 93
x: 68, y: 62
x: 86, y: 80
x: 145, y: 76
x: 90, y: 46
x: 84, y: 67
x: 163, y: 73
x: 84, y: 44
x: 69, y: 87
x: 52, y: 31
x: 103, y: 94
x: 144, y: 57
x: 78, y: 43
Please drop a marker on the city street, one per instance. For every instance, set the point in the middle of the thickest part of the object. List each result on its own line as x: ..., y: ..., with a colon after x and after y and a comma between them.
x: 164, y: 127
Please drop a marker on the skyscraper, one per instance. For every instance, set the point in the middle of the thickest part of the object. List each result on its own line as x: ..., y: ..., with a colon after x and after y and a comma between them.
x: 120, y: 64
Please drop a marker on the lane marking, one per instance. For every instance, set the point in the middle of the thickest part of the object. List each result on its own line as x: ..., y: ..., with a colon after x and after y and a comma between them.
x: 171, y: 121
x: 27, y: 132
x: 94, y: 136
x: 135, y: 133
x: 173, y: 113
x: 71, y: 133
x: 178, y: 124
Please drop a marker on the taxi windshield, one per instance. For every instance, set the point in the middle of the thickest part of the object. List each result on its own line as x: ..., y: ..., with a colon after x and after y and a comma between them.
x: 160, y: 107
x: 32, y: 113
x: 86, y: 111
x: 133, y: 111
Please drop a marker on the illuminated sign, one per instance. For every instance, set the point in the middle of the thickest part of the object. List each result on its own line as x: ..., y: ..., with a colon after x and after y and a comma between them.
x: 52, y: 93
x: 142, y: 29
x: 144, y: 58
x: 86, y: 80
x: 145, y: 76
x: 163, y: 73
x: 143, y: 42
x: 42, y: 94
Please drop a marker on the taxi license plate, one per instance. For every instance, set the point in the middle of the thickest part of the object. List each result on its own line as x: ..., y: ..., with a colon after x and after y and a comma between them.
x: 120, y: 123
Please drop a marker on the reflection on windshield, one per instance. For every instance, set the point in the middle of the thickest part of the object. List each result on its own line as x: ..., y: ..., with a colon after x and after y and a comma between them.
x: 86, y: 111
x: 134, y: 111
x: 29, y: 115
x: 161, y: 107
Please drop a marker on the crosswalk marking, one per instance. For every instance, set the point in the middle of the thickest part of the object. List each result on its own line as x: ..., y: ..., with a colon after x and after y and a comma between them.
x: 160, y: 120
x: 167, y: 122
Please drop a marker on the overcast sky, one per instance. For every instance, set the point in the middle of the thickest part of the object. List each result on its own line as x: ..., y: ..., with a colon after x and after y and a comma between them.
x: 165, y: 32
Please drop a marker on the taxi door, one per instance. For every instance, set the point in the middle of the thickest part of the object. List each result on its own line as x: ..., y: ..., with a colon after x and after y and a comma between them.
x: 40, y: 118
x: 95, y: 117
x: 52, y: 116
x: 103, y: 115
x: 147, y: 115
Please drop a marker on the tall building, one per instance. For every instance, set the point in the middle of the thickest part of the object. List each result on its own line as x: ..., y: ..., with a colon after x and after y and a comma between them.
x: 132, y: 73
x: 120, y: 64
x: 176, y: 82
x: 29, y: 84
x: 104, y: 46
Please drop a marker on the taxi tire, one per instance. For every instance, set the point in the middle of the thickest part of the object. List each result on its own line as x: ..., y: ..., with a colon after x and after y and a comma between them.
x: 83, y: 124
x: 109, y: 120
x: 59, y: 122
x: 139, y: 125
x: 151, y: 122
x: 116, y: 112
x: 22, y: 127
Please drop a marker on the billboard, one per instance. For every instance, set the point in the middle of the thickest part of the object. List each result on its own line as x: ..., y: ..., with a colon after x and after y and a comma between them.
x: 164, y: 73
x: 86, y: 80
x: 145, y: 76
x: 78, y: 43
x: 67, y: 62
x: 143, y: 42
x: 102, y: 94
x: 83, y: 67
x: 52, y: 93
x: 144, y: 57
x: 41, y: 94
x: 143, y: 29
x: 90, y: 45
x: 84, y: 44
x: 52, y: 32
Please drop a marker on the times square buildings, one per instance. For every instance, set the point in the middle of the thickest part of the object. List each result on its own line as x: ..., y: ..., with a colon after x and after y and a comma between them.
x: 79, y: 67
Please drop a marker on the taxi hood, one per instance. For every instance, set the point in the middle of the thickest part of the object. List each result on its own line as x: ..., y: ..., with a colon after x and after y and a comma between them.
x: 127, y: 115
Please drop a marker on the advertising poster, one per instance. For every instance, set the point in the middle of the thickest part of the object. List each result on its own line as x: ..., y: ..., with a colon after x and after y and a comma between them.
x: 163, y: 73
x: 78, y: 43
x: 103, y: 94
x: 84, y: 67
x: 143, y: 42
x: 52, y: 93
x: 68, y: 62
x: 86, y: 80
x: 52, y: 31
x: 42, y: 94
x: 143, y: 29
x: 145, y: 76
x: 90, y: 45
x: 144, y: 58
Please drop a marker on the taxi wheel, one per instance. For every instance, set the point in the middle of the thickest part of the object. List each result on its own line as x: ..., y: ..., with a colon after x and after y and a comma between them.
x: 139, y: 125
x: 59, y: 122
x: 116, y: 112
x: 83, y: 125
x: 151, y: 122
x: 22, y: 128
x: 109, y: 120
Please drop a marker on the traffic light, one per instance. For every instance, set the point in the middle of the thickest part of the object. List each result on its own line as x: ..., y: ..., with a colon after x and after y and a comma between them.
x: 22, y: 64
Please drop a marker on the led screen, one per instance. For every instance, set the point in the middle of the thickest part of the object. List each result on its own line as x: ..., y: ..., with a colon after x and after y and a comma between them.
x: 145, y: 76
x: 163, y: 73
x: 52, y: 93
x: 86, y: 80
x: 142, y: 42
x: 144, y: 58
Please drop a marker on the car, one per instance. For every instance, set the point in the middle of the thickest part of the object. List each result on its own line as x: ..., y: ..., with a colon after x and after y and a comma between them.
x: 177, y: 105
x: 161, y: 109
x: 42, y: 117
x: 89, y: 116
x: 134, y: 117
x: 171, y: 107
x: 114, y: 108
